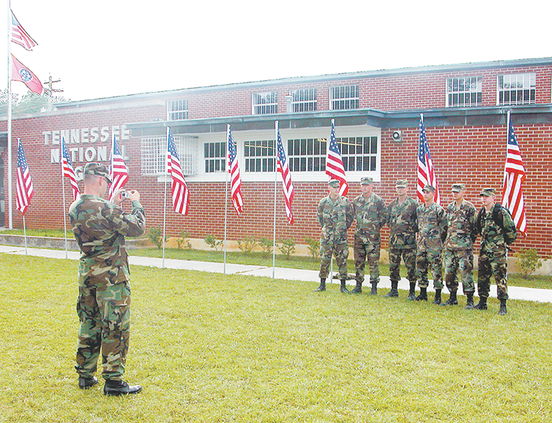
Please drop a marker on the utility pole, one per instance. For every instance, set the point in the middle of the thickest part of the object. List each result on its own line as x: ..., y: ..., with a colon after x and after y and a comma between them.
x: 49, y: 90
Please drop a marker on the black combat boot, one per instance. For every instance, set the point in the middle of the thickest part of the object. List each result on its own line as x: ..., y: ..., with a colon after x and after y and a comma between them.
x: 119, y: 387
x: 452, y: 300
x: 412, y: 292
x: 469, y: 303
x: 358, y: 288
x: 437, y: 299
x: 322, y: 286
x: 374, y: 289
x: 482, y: 304
x: 394, y: 292
x: 423, y: 295
x: 87, y: 382
x: 344, y: 289
x: 502, y: 311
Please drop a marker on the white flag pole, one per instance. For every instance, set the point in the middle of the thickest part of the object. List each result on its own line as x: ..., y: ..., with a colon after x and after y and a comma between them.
x: 63, y: 194
x: 167, y: 171
x: 226, y: 169
x: 10, y: 179
x: 277, y: 128
x: 25, y: 234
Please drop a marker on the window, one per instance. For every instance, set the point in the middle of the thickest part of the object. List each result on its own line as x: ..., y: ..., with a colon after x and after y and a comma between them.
x: 516, y: 89
x: 307, y: 154
x: 177, y: 110
x: 359, y: 154
x: 343, y: 98
x: 464, y: 92
x: 259, y: 155
x: 265, y: 103
x: 154, y: 155
x: 215, y: 157
x: 303, y: 100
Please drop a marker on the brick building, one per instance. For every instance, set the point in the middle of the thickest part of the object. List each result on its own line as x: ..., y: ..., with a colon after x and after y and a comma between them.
x: 376, y: 116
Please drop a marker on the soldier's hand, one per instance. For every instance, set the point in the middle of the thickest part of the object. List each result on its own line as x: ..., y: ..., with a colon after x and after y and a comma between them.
x: 133, y: 195
x: 117, y: 198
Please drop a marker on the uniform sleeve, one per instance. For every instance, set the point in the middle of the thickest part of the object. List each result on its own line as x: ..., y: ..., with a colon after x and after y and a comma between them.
x: 383, y: 214
x: 129, y: 224
x: 510, y: 231
x: 350, y: 213
x: 320, y: 212
x: 443, y: 224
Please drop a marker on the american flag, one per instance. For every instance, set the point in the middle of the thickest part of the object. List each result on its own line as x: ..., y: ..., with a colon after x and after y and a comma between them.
x: 179, y: 189
x: 118, y: 171
x: 334, y: 163
x: 24, y: 187
x: 514, y: 175
x: 20, y: 36
x: 283, y: 168
x: 67, y: 169
x: 234, y: 170
x: 426, y: 172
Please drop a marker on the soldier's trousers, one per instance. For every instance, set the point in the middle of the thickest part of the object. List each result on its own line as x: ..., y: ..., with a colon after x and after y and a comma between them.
x: 492, y: 263
x: 425, y: 260
x: 104, y: 314
x: 459, y: 261
x: 409, y: 257
x: 341, y: 252
x: 366, y: 253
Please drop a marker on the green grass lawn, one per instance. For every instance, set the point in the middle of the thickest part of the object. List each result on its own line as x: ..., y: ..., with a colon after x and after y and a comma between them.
x: 210, y: 348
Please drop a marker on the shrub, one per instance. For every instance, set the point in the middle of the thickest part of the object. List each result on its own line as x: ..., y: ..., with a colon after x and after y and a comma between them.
x: 287, y: 247
x: 184, y: 241
x: 155, y: 235
x: 212, y: 242
x: 314, y: 247
x: 528, y: 261
x: 247, y: 245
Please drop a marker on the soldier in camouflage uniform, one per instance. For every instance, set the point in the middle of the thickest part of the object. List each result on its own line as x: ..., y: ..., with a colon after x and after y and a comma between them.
x: 103, y: 304
x: 497, y: 229
x: 459, y: 246
x: 335, y: 215
x: 401, y: 219
x: 432, y: 230
x: 370, y: 214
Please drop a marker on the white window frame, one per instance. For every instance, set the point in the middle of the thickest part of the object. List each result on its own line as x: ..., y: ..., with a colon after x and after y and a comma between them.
x: 303, y: 100
x: 525, y: 85
x: 473, y: 86
x: 342, y: 97
x: 264, y: 103
x: 177, y: 109
x: 154, y: 155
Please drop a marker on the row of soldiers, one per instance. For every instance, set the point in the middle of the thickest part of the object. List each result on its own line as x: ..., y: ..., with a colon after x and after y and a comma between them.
x: 418, y: 235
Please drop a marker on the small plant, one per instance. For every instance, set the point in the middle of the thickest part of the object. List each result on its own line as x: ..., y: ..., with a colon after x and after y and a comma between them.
x: 314, y: 247
x: 287, y: 247
x: 266, y: 246
x: 247, y: 245
x: 212, y: 242
x: 528, y: 261
x: 155, y: 235
x: 184, y: 241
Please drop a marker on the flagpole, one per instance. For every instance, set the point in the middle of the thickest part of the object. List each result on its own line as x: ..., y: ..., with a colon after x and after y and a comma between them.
x: 226, y: 196
x: 63, y: 196
x: 277, y: 128
x: 10, y: 178
x: 25, y: 234
x: 165, y: 200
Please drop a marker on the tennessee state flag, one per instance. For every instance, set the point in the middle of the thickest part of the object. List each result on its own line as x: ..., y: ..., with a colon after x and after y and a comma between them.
x: 20, y: 72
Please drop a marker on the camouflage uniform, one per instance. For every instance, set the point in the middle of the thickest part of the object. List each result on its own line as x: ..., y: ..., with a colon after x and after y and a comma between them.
x: 493, y: 255
x: 432, y: 227
x: 103, y: 304
x: 370, y: 214
x: 335, y: 217
x: 402, y: 238
x: 459, y: 246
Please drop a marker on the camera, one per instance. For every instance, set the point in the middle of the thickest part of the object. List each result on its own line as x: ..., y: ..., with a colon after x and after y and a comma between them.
x: 124, y: 195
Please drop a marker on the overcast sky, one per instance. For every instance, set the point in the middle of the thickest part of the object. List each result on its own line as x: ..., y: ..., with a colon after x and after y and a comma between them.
x: 105, y: 48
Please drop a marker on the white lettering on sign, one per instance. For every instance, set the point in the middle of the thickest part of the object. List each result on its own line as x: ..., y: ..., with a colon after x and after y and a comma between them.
x: 82, y: 154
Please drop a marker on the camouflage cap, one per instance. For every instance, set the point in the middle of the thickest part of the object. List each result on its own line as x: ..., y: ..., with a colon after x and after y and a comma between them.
x: 429, y: 188
x: 487, y: 192
x: 457, y: 187
x: 401, y: 183
x: 366, y: 180
x: 334, y: 183
x: 97, y: 169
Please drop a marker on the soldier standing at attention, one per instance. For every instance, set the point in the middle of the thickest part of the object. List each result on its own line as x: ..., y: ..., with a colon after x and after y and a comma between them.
x: 103, y: 304
x: 432, y: 230
x: 459, y: 246
x: 370, y: 214
x: 335, y: 215
x: 497, y: 230
x: 402, y: 224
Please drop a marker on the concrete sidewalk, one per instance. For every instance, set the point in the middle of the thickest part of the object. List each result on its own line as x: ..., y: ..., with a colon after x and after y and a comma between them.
x: 514, y: 292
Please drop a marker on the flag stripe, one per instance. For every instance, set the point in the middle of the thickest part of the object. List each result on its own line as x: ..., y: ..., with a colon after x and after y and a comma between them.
x: 20, y: 36
x: 24, y: 184
x: 334, y: 163
x: 426, y: 172
x: 235, y: 178
x: 119, y: 172
x: 283, y: 168
x: 179, y: 188
x: 68, y: 171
